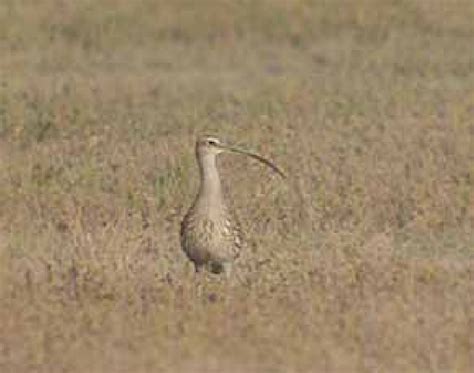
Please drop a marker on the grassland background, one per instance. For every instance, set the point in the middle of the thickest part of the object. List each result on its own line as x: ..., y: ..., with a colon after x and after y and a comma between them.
x: 362, y: 261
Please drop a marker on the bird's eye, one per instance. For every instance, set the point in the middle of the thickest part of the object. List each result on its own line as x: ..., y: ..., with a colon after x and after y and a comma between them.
x: 211, y: 142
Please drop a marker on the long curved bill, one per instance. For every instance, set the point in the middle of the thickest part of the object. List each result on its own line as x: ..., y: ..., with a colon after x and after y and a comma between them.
x: 255, y: 156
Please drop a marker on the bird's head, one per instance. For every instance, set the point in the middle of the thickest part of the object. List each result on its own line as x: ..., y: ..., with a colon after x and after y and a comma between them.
x: 211, y: 146
x: 206, y: 145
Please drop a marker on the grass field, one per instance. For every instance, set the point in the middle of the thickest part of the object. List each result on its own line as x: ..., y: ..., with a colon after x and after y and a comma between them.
x: 361, y: 261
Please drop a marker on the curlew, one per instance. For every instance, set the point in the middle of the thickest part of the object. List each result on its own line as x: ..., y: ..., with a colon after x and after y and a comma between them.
x: 210, y: 236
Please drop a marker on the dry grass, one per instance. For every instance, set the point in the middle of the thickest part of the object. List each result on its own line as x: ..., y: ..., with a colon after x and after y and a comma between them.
x: 362, y: 261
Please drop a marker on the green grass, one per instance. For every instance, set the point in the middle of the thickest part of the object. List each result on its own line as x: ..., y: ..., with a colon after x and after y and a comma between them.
x: 362, y: 260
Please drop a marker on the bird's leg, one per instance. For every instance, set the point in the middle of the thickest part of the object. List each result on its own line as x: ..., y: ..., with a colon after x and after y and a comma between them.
x: 198, y: 278
x: 197, y: 268
x: 231, y: 275
x: 227, y: 269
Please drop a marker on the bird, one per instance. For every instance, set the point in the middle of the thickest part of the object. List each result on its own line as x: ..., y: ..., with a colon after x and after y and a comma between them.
x: 210, y: 235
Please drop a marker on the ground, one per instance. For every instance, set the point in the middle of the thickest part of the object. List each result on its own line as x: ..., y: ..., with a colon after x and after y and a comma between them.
x: 362, y: 260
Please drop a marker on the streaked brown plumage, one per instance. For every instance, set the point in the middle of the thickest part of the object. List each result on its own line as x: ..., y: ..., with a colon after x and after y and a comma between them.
x: 210, y: 236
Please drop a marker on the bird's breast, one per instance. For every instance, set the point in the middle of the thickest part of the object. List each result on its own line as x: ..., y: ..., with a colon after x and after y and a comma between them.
x: 208, y: 235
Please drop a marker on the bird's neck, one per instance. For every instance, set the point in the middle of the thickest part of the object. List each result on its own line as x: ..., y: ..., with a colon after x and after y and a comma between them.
x: 210, y: 190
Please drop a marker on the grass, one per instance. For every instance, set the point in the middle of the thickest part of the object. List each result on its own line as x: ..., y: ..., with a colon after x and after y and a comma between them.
x: 363, y: 260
